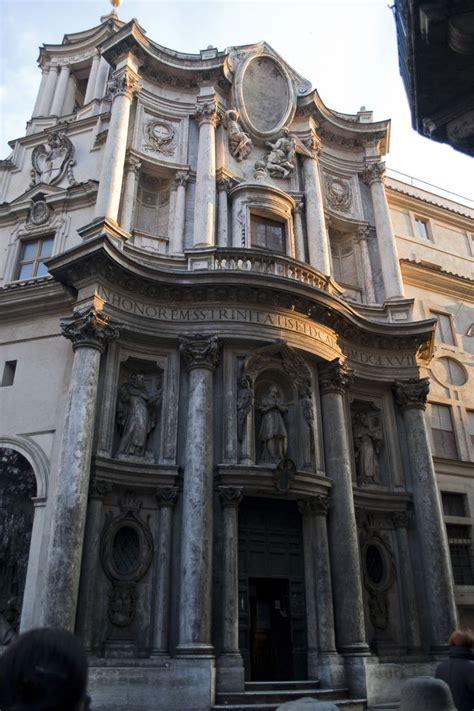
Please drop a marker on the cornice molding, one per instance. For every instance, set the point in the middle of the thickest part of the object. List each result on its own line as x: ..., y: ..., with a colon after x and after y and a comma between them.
x: 463, y: 217
x: 437, y: 280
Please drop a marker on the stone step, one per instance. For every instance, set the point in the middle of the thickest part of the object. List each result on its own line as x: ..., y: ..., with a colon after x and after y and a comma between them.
x: 277, y: 685
x: 278, y: 696
x: 345, y: 704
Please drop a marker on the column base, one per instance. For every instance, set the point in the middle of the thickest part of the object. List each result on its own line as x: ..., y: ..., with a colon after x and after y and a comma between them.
x: 356, y: 674
x: 195, y: 649
x: 330, y: 670
x: 230, y: 675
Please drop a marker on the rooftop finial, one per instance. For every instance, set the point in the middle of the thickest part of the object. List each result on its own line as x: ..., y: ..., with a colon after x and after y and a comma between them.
x: 115, y: 4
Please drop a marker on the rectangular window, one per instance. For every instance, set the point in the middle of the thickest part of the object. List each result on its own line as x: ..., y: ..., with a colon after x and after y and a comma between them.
x: 453, y: 504
x: 267, y: 234
x: 8, y: 373
x: 459, y: 539
x: 470, y: 416
x: 444, y: 441
x: 32, y: 256
x: 421, y: 227
x: 444, y: 330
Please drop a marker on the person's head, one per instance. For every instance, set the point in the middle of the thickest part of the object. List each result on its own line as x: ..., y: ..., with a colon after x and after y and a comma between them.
x: 423, y: 693
x: 461, y: 638
x: 44, y: 670
x: 307, y: 704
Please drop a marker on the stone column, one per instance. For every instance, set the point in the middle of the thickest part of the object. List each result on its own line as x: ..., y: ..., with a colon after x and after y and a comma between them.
x: 48, y: 93
x: 205, y: 196
x: 230, y: 665
x: 89, y: 331
x: 401, y: 521
x: 132, y: 171
x: 367, y: 275
x: 166, y: 498
x: 200, y: 355
x: 335, y: 378
x: 318, y: 241
x: 373, y: 176
x: 223, y: 186
x: 299, y: 234
x: 123, y: 89
x: 86, y: 619
x: 181, y: 180
x: 92, y: 79
x: 411, y: 396
x: 41, y: 92
x: 102, y: 74
x: 60, y: 91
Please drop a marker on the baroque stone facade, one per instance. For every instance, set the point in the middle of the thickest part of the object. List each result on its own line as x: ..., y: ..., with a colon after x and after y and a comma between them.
x: 216, y: 345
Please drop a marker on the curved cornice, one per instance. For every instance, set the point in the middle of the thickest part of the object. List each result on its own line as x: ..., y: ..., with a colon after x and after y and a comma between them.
x: 77, y: 44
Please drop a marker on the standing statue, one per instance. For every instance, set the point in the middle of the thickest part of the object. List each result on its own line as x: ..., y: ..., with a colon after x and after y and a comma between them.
x: 367, y: 444
x: 273, y: 434
x: 136, y: 416
x: 244, y: 404
x: 240, y: 143
x: 280, y: 161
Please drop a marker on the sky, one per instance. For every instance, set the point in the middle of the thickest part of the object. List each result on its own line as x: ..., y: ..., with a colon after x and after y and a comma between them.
x: 346, y: 48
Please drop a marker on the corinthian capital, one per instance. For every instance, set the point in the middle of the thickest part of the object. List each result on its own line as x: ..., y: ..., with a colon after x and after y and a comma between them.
x: 207, y: 112
x: 132, y: 164
x: 412, y: 393
x: 374, y: 172
x: 313, y: 144
x: 166, y: 496
x: 317, y: 506
x: 335, y: 376
x: 181, y: 178
x: 125, y: 83
x: 89, y: 328
x: 230, y: 496
x: 200, y: 351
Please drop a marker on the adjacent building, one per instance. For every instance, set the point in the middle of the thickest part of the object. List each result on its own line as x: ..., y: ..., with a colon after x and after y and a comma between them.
x: 229, y: 347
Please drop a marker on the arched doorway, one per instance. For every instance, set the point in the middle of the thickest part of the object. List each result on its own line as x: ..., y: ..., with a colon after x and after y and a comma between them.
x: 17, y: 490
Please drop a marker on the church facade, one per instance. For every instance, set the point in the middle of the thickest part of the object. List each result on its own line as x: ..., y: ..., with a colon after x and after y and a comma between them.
x: 219, y: 326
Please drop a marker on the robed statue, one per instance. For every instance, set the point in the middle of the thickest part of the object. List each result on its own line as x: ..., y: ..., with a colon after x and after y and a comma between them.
x: 273, y: 434
x: 136, y: 416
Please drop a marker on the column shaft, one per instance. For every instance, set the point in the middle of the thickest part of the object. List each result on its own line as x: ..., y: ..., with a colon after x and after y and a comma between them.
x: 160, y: 640
x: 205, y: 194
x: 223, y: 186
x: 310, y: 589
x: 92, y: 79
x: 318, y: 242
x: 47, y: 98
x: 435, y: 561
x: 102, y: 74
x: 132, y: 168
x: 406, y: 574
x: 180, y: 213
x: 41, y: 92
x: 30, y: 593
x: 367, y: 275
x: 299, y: 234
x: 60, y: 91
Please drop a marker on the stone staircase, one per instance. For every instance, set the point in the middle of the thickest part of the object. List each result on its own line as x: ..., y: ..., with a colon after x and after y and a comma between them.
x: 268, y: 695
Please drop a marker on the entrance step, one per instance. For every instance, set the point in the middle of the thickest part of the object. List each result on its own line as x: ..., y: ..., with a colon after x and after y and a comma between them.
x: 267, y: 696
x: 344, y: 704
x: 282, y: 685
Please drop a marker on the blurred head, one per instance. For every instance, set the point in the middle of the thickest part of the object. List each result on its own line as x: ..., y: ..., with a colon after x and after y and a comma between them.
x: 423, y: 693
x: 44, y: 670
x: 461, y: 638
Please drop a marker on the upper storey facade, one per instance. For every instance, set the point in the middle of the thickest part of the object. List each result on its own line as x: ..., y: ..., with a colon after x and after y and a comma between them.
x: 191, y: 158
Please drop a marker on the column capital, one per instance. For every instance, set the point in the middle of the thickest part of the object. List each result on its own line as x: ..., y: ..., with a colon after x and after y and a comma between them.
x: 166, y: 496
x: 313, y: 144
x: 89, y: 328
x: 401, y: 519
x: 335, y: 377
x: 181, y: 178
x: 230, y: 496
x: 99, y: 488
x: 363, y: 233
x: 207, y: 112
x: 316, y: 506
x: 126, y: 82
x: 132, y: 164
x: 200, y: 351
x: 223, y: 182
x: 412, y: 393
x: 373, y: 172
x: 299, y: 206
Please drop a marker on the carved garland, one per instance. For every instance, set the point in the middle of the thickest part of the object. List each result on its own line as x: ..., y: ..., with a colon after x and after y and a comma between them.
x: 159, y: 137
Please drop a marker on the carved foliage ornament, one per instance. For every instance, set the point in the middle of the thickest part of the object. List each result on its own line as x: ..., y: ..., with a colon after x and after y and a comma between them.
x: 166, y: 496
x: 159, y: 137
x: 126, y: 83
x: 207, y: 112
x: 230, y: 496
x: 373, y: 173
x: 335, y: 376
x: 412, y: 393
x: 338, y: 194
x: 200, y: 351
x: 89, y: 328
x: 51, y: 160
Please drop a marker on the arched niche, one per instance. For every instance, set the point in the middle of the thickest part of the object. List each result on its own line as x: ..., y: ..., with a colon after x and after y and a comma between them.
x: 275, y: 394
x: 18, y: 491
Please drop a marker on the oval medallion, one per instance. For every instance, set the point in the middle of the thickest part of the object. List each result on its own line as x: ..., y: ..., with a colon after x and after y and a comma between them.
x: 266, y: 96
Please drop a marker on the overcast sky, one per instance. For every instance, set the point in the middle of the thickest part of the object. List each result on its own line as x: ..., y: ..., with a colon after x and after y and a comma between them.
x: 346, y: 48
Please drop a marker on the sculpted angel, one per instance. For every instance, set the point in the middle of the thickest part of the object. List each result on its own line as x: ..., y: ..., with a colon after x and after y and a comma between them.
x: 240, y: 142
x: 136, y: 415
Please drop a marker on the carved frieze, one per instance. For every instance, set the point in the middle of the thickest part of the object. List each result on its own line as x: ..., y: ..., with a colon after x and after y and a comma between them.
x: 159, y: 137
x: 52, y: 160
x: 338, y: 194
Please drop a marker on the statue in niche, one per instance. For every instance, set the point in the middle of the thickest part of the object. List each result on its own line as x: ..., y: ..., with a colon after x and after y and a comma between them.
x: 240, y: 143
x: 273, y: 434
x: 244, y: 404
x: 136, y: 416
x: 378, y: 610
x: 308, y: 414
x: 367, y: 444
x: 280, y: 161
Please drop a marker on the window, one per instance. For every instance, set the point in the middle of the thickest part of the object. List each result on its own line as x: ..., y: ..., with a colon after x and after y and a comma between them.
x: 470, y: 418
x: 444, y: 441
x: 453, y: 504
x: 267, y: 234
x: 152, y: 206
x: 421, y: 228
x: 444, y: 330
x: 459, y: 539
x: 32, y: 256
x: 8, y: 373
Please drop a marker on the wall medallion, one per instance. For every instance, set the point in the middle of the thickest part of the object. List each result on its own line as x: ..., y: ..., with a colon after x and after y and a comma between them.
x: 159, y: 137
x: 52, y: 160
x: 338, y: 194
x: 40, y: 213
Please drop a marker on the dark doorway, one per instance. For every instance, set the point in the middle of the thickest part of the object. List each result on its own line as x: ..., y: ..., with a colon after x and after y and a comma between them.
x: 271, y: 653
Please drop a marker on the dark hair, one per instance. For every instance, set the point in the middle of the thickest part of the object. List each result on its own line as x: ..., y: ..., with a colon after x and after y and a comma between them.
x: 461, y: 638
x: 43, y: 670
